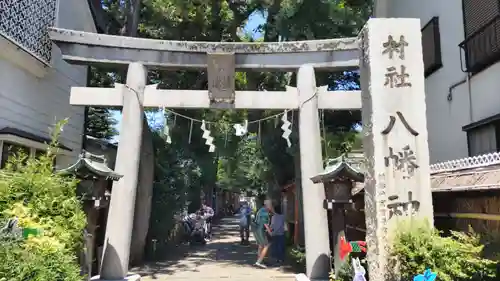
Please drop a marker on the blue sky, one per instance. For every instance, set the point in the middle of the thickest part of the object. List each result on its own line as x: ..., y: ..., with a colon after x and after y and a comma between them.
x: 255, y: 19
x: 156, y: 118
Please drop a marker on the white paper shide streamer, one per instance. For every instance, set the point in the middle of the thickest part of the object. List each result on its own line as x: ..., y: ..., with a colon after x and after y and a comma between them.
x: 241, y: 129
x: 286, y: 128
x: 359, y: 270
x: 166, y: 129
x: 207, y: 137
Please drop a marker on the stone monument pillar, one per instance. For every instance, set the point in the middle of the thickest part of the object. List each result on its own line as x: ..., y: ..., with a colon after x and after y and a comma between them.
x: 121, y: 208
x: 397, y: 182
x: 318, y: 262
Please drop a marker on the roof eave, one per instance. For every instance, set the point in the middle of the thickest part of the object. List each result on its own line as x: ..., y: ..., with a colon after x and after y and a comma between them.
x: 342, y: 170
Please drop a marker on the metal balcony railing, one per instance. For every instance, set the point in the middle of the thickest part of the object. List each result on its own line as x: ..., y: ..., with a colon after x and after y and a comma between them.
x: 482, y: 47
x: 25, y: 23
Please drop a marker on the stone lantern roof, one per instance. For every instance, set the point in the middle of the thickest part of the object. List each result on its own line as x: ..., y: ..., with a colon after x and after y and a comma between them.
x: 91, y: 164
x: 345, y: 167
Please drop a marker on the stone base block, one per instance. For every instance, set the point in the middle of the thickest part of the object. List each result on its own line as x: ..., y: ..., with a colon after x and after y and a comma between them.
x: 131, y: 277
x: 303, y: 277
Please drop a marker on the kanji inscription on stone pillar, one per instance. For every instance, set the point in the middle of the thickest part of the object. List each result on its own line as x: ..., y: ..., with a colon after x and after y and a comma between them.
x: 221, y: 70
x: 397, y: 183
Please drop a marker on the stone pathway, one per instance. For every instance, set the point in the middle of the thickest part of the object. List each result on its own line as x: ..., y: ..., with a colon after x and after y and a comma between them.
x: 222, y: 258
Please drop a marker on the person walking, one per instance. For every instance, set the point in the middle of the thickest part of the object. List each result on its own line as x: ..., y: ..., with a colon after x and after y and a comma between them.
x: 245, y: 218
x: 208, y: 213
x: 262, y: 231
x: 278, y: 234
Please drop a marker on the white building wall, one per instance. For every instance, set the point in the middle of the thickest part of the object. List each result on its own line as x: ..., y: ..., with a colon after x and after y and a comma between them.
x: 445, y: 118
x: 34, y: 104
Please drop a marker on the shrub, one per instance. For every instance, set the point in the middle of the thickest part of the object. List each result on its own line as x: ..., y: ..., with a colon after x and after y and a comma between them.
x: 347, y: 271
x: 417, y: 246
x: 297, y: 256
x: 39, y: 198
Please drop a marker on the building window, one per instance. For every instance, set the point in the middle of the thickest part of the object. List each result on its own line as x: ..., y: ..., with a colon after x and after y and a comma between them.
x: 10, y: 150
x: 431, y: 46
x: 481, y: 47
x: 482, y: 140
x: 33, y: 145
x: 483, y: 136
x: 38, y: 153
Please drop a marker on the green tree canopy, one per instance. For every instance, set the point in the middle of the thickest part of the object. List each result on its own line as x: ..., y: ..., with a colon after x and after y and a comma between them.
x: 241, y: 163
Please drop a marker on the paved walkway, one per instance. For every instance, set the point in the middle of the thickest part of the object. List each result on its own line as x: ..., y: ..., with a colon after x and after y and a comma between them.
x: 223, y: 257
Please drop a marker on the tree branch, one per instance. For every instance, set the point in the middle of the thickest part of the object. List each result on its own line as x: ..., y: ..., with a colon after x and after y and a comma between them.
x: 270, y: 30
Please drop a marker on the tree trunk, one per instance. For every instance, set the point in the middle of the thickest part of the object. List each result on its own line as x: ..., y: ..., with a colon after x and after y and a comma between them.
x: 270, y: 31
x: 133, y: 18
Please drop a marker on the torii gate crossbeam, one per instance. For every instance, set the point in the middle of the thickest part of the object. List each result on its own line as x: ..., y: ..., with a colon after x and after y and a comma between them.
x: 80, y: 47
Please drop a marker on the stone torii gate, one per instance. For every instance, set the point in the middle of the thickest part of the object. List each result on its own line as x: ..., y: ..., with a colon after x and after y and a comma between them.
x: 222, y: 60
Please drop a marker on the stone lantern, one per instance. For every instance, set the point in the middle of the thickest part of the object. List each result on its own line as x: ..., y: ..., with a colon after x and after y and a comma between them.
x: 339, y: 178
x: 94, y: 175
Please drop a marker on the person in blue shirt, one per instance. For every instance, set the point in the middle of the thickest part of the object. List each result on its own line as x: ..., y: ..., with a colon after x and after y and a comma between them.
x: 245, y: 217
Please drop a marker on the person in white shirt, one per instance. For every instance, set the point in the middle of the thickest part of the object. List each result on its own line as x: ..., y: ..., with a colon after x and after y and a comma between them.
x: 208, y: 213
x: 245, y: 217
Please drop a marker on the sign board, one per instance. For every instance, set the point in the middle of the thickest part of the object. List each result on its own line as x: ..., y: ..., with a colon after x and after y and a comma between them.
x: 221, y: 74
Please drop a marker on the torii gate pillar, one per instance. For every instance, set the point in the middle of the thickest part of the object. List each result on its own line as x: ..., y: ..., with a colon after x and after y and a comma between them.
x: 315, y: 218
x: 121, y: 208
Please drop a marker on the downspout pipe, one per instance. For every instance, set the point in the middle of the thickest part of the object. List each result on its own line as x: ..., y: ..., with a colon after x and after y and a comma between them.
x: 469, y: 89
x: 449, y: 97
x: 453, y: 86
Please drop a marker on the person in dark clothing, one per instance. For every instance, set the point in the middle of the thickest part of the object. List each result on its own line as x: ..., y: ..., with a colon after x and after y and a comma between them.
x: 278, y: 234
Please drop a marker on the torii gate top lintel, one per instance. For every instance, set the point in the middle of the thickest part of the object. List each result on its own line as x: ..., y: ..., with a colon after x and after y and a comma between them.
x: 80, y: 47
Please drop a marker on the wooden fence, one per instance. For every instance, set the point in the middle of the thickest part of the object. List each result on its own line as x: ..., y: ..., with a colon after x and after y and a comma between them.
x: 460, y: 211
x: 472, y: 210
